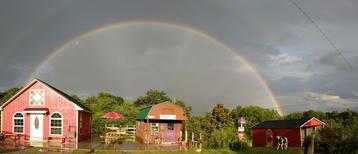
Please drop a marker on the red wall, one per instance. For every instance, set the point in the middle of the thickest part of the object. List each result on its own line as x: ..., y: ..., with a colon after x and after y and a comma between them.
x: 85, y: 133
x: 53, y: 101
x: 292, y: 134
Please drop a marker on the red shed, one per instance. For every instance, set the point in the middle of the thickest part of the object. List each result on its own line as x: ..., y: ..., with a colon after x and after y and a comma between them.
x: 264, y: 134
x: 41, y: 112
x: 161, y: 123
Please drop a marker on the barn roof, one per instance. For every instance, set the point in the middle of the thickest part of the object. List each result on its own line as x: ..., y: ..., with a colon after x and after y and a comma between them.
x: 296, y: 123
x: 66, y: 96
x: 143, y: 114
x: 152, y: 111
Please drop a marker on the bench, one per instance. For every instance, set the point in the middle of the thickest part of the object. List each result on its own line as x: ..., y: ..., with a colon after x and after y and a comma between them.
x: 59, y: 138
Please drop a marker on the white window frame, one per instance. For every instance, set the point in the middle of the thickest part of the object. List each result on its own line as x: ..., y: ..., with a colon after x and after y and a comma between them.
x: 154, y: 125
x: 56, y: 126
x: 13, y: 123
x: 44, y: 97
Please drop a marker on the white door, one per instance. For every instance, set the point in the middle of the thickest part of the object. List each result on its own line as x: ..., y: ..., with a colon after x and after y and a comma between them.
x: 36, y: 127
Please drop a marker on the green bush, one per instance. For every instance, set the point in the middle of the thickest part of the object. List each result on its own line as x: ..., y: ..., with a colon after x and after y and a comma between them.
x: 226, y: 138
x: 239, y: 146
x: 221, y: 138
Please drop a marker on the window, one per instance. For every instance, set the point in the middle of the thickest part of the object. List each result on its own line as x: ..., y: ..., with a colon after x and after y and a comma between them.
x: 170, y: 126
x: 56, y: 124
x: 37, y: 97
x: 18, y: 123
x: 155, y: 126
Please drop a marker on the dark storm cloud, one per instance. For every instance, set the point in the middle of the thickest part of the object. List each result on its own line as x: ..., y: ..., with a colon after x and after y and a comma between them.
x: 131, y: 60
x: 268, y: 33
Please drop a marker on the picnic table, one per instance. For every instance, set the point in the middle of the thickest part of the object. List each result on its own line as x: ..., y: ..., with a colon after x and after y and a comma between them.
x: 112, y: 137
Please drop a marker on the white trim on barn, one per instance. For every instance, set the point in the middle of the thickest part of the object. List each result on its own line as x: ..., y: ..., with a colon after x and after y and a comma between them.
x: 23, y: 122
x: 41, y: 112
x: 1, y: 120
x: 49, y: 130
x: 77, y: 126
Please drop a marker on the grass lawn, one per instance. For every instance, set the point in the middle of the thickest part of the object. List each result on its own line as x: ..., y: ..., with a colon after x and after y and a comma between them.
x: 273, y: 151
x: 205, y: 151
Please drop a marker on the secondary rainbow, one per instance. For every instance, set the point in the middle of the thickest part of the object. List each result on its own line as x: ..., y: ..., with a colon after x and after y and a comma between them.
x: 114, y: 25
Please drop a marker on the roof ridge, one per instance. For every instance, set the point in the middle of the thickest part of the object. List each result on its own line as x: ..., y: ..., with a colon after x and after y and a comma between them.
x: 285, y: 123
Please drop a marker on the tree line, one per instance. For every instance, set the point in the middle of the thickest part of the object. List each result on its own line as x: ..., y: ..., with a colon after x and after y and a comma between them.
x: 219, y: 125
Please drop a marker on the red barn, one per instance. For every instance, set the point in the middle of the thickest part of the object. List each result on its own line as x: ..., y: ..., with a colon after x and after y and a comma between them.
x: 160, y: 123
x: 264, y: 134
x: 41, y: 112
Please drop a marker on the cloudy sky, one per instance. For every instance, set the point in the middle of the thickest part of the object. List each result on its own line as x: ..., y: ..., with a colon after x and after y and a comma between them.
x: 301, y: 67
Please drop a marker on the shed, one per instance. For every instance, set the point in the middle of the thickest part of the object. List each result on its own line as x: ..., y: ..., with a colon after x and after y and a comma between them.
x: 264, y: 134
x: 160, y: 123
x: 40, y: 112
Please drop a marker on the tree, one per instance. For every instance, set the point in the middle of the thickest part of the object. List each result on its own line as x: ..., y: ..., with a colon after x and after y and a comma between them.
x: 187, y: 108
x: 99, y: 105
x: 218, y: 118
x: 152, y: 97
x: 195, y: 124
x: 8, y: 94
x: 103, y: 102
x: 294, y: 115
x: 129, y: 111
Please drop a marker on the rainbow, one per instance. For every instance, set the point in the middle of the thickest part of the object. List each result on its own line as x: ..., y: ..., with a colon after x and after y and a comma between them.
x: 114, y: 25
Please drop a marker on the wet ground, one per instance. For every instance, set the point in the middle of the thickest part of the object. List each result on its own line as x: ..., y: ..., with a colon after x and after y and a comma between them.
x: 18, y: 146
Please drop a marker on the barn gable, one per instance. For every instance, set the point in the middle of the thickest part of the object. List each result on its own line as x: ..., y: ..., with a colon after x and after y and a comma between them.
x: 296, y: 123
x: 77, y: 105
x: 313, y: 122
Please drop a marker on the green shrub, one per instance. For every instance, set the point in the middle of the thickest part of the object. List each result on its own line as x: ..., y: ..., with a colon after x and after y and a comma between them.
x: 221, y: 138
x: 226, y: 138
x: 239, y: 146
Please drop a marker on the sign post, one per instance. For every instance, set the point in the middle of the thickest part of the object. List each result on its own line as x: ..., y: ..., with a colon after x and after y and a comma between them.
x: 241, y: 128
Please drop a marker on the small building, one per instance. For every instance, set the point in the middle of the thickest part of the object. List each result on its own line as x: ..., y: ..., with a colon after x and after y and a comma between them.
x: 160, y: 123
x: 264, y: 134
x: 40, y: 112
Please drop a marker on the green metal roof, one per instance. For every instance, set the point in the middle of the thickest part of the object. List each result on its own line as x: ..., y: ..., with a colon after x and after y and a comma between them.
x: 143, y: 114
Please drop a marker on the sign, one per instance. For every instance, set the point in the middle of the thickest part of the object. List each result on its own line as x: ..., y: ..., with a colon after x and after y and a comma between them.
x: 242, y: 120
x: 150, y: 117
x: 241, y: 129
x: 168, y: 116
x: 241, y: 136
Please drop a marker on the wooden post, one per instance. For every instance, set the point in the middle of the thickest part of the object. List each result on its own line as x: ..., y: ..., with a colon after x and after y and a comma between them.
x: 200, y: 140
x: 192, y: 139
x: 181, y: 135
x: 148, y: 131
x: 312, y: 145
